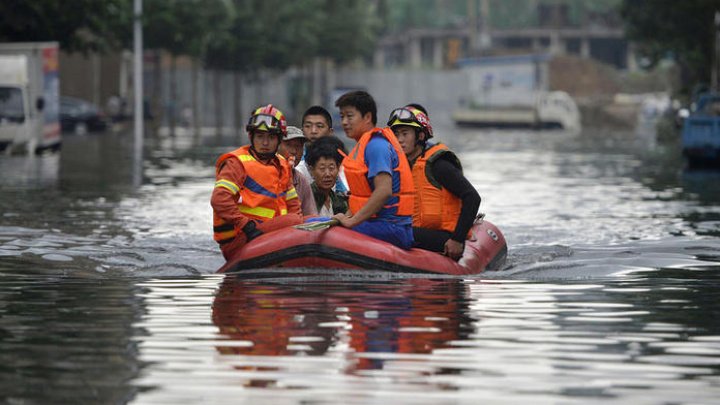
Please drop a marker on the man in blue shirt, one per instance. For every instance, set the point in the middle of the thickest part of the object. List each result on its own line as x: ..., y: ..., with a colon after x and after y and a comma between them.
x: 378, y: 175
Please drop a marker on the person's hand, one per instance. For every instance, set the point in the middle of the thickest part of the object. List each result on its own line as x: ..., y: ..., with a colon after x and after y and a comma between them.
x: 453, y: 249
x: 345, y: 220
x: 250, y: 231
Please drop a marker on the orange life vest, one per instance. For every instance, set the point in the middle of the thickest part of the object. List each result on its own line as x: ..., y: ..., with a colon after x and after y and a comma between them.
x: 263, y: 195
x: 435, y: 206
x: 356, y: 171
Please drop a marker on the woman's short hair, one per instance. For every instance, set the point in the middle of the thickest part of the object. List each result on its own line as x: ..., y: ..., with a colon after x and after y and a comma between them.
x: 327, y: 147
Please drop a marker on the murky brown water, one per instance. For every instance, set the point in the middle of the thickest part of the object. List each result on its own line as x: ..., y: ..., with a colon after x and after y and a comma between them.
x: 108, y: 292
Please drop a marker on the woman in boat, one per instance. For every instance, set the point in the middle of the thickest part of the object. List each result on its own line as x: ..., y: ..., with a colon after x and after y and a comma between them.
x: 324, y: 160
x: 445, y: 202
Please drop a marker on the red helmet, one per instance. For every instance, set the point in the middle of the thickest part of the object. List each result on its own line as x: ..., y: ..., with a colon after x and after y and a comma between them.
x: 412, y: 117
x: 268, y: 118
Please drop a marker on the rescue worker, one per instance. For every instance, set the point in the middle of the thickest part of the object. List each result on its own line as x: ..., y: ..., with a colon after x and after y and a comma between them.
x: 445, y: 202
x: 378, y: 175
x: 253, y: 191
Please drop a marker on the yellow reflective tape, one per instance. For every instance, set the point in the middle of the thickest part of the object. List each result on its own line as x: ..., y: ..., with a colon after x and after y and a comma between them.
x: 258, y: 211
x: 225, y: 235
x: 292, y: 193
x: 246, y: 158
x: 228, y: 185
x: 278, y: 115
x: 283, y: 211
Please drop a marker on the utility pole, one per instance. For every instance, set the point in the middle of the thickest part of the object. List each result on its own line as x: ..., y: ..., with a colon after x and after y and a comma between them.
x: 716, y: 55
x: 472, y: 25
x: 484, y: 21
x: 478, y: 28
x: 138, y: 88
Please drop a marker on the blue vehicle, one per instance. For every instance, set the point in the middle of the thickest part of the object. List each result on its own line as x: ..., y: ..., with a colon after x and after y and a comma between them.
x: 701, y: 132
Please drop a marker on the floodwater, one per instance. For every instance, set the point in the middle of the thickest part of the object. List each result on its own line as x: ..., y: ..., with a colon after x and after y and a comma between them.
x: 610, y: 293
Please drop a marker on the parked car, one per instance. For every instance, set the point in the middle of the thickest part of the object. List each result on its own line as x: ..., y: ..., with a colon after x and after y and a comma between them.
x: 80, y: 116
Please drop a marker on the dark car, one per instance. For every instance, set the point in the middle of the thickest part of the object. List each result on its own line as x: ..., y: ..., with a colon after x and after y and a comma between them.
x: 80, y: 116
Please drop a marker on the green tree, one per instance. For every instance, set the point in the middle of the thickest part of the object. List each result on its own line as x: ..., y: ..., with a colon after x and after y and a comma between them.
x: 182, y: 27
x: 681, y: 29
x: 349, y: 30
x: 79, y: 25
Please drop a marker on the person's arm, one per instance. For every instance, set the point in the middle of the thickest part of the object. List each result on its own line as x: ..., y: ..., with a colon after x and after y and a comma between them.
x: 379, y: 157
x: 292, y: 201
x: 225, y: 198
x: 305, y: 194
x: 451, y: 178
x: 381, y: 193
x: 226, y: 193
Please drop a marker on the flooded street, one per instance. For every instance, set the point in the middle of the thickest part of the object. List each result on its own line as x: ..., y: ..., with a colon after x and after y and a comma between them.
x: 610, y: 293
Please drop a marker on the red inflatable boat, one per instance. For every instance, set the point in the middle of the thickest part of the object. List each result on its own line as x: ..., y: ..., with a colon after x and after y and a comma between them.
x: 342, y: 248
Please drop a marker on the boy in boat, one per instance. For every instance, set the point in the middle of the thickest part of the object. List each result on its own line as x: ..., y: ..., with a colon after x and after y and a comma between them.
x: 292, y: 147
x: 445, y: 202
x: 378, y: 175
x: 253, y: 191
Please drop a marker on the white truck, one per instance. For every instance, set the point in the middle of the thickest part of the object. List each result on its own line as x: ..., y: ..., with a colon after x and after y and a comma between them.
x: 512, y: 91
x: 29, y: 97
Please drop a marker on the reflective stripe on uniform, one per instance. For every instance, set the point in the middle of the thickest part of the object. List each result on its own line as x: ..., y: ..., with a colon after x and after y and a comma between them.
x: 258, y: 211
x: 255, y: 187
x: 291, y: 194
x: 228, y: 185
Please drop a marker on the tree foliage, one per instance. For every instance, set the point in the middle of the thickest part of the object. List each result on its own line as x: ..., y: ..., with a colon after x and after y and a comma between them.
x: 681, y: 29
x: 79, y: 25
x: 265, y: 33
x: 348, y: 29
x: 278, y: 34
x: 183, y: 27
x: 240, y: 35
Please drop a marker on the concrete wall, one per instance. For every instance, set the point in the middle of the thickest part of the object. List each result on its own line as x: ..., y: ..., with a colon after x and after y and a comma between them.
x: 439, y: 91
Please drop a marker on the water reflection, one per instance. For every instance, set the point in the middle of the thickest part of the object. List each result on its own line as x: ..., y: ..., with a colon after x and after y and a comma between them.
x: 29, y: 172
x: 633, y: 340
x: 99, y: 165
x: 67, y: 340
x: 370, y: 320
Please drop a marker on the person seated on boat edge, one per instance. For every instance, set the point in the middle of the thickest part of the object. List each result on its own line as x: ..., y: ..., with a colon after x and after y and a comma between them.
x: 253, y: 191
x: 316, y: 124
x: 324, y: 159
x: 445, y: 202
x: 378, y: 174
x: 292, y: 147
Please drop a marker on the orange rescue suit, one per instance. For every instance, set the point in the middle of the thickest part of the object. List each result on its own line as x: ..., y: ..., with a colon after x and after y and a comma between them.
x: 435, y: 206
x: 263, y: 195
x: 356, y: 171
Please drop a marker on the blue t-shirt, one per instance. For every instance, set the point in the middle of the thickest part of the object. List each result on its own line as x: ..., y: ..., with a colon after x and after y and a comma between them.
x: 380, y: 157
